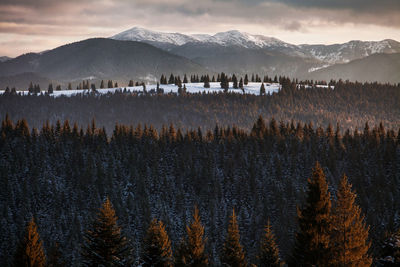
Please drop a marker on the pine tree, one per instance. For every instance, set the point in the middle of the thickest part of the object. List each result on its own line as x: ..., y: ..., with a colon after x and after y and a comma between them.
x: 235, y: 81
x: 130, y: 83
x: 191, y: 251
x: 30, y: 251
x: 101, y: 84
x: 206, y: 81
x: 246, y: 80
x: 156, y: 248
x: 232, y: 253
x: 262, y: 89
x: 269, y: 252
x: 312, y: 243
x: 104, y: 244
x: 349, y: 233
x: 185, y: 80
x: 171, y: 79
x: 50, y: 90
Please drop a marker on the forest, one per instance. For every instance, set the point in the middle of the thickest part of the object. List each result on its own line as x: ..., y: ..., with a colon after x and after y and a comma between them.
x: 262, y: 191
x: 350, y: 104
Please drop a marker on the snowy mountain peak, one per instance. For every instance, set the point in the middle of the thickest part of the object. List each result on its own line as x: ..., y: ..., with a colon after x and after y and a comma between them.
x: 143, y: 35
x: 228, y: 38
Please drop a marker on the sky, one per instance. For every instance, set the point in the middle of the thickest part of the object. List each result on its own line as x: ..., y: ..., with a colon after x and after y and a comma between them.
x: 38, y: 25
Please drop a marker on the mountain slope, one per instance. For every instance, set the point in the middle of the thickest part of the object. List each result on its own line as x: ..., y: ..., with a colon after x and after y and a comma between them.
x: 236, y: 59
x: 100, y: 59
x: 377, y: 67
x: 328, y: 54
x: 343, y: 53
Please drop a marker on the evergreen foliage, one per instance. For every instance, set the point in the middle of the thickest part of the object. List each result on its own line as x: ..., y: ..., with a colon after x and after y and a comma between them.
x: 269, y: 251
x: 313, y: 241
x: 156, y: 247
x: 30, y: 252
x: 349, y: 233
x: 233, y: 254
x: 192, y: 249
x: 104, y: 243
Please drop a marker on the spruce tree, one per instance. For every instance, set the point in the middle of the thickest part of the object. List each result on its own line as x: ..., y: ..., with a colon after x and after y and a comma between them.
x: 104, y: 244
x: 246, y: 80
x: 262, y: 89
x: 156, y: 248
x: 30, y: 251
x: 312, y: 242
x: 191, y: 251
x: 232, y: 253
x: 269, y: 252
x: 349, y: 233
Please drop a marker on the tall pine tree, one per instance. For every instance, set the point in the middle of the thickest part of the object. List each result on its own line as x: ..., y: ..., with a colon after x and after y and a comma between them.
x: 312, y: 243
x: 30, y: 251
x: 156, y: 248
x: 191, y: 251
x: 104, y: 243
x: 349, y: 233
x: 233, y: 254
x: 269, y: 252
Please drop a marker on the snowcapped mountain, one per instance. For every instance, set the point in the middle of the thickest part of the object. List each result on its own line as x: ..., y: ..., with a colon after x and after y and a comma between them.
x: 144, y: 35
x: 343, y: 53
x: 229, y: 38
x: 327, y: 54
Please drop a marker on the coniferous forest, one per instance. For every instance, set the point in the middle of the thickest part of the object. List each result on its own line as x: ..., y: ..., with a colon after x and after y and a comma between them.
x: 304, y: 177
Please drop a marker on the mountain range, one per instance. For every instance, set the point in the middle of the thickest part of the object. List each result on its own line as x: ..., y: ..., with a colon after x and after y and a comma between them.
x: 144, y: 55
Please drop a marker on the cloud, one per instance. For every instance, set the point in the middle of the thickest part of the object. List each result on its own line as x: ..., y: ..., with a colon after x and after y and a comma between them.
x: 77, y: 19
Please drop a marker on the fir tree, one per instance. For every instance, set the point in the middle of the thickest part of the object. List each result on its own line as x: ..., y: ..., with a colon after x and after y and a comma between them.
x: 185, y: 80
x: 206, y: 81
x: 232, y: 253
x: 101, y: 84
x: 269, y: 252
x: 312, y: 243
x: 156, y: 248
x: 104, y: 243
x: 191, y: 251
x: 262, y: 89
x: 349, y: 233
x: 50, y: 89
x: 235, y: 81
x: 171, y: 79
x: 30, y: 251
x: 246, y: 80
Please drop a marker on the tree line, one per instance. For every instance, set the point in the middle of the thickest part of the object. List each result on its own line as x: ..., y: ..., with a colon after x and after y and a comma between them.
x: 349, y: 104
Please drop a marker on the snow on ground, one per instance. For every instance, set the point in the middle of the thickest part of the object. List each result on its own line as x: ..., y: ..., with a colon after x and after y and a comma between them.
x: 251, y: 88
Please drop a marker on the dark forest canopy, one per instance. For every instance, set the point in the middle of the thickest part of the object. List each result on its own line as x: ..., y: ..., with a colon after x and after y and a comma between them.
x: 60, y: 174
x: 349, y: 104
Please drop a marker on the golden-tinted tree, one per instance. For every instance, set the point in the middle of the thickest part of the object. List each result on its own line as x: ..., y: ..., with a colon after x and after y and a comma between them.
x: 104, y: 243
x: 312, y: 242
x: 269, y: 251
x: 191, y: 251
x: 233, y: 253
x: 350, y: 233
x: 156, y: 248
x: 30, y: 251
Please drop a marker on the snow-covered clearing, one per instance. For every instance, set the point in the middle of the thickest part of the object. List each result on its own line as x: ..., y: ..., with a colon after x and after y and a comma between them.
x: 251, y: 88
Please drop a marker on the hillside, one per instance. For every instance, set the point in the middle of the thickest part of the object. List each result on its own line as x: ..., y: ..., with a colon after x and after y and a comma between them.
x: 100, y: 59
x: 377, y: 67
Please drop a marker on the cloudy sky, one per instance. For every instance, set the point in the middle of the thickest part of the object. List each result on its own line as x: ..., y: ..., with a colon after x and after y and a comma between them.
x: 37, y: 25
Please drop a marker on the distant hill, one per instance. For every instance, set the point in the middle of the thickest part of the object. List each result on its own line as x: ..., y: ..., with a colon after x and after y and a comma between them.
x: 377, y: 67
x: 3, y: 59
x: 240, y: 60
x: 21, y: 81
x: 100, y: 58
